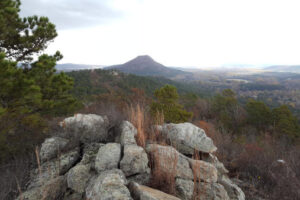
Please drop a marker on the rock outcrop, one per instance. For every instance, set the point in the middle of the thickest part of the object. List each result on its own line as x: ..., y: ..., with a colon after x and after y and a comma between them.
x: 187, y: 138
x: 106, y: 165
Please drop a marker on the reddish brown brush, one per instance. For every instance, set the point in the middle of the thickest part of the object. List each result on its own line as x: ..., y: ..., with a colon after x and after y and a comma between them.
x: 163, y: 170
x: 137, y: 118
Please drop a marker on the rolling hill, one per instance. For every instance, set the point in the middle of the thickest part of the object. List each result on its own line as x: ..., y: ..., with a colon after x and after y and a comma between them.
x: 67, y: 67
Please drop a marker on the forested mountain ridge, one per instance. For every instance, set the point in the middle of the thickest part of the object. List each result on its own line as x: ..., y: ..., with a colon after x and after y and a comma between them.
x: 99, y: 81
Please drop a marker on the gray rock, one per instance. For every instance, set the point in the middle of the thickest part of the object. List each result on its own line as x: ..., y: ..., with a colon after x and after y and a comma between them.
x: 126, y: 133
x: 234, y: 192
x: 142, y: 192
x: 87, y: 127
x: 78, y: 177
x: 168, y: 160
x: 108, y: 185
x: 202, y: 191
x: 90, y: 151
x: 66, y: 161
x: 143, y: 179
x: 69, y: 195
x: 108, y: 157
x: 52, y: 147
x: 52, y: 189
x: 53, y: 169
x: 220, y: 166
x: 184, y: 189
x: 134, y: 161
x: 207, y: 191
x: 204, y: 171
x: 187, y: 137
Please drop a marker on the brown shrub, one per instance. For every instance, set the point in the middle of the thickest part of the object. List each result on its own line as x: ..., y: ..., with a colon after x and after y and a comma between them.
x: 163, y: 170
x: 137, y: 117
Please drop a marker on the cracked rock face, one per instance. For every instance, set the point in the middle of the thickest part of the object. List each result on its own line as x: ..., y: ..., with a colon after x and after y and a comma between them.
x: 126, y: 133
x: 121, y: 170
x: 167, y: 159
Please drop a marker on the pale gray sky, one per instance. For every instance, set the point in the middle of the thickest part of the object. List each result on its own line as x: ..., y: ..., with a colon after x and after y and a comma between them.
x: 174, y: 32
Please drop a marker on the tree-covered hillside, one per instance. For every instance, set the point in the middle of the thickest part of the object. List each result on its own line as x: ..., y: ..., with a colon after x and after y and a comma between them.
x: 94, y: 82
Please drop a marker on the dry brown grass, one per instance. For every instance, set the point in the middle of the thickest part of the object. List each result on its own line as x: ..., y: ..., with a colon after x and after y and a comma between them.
x: 164, y: 169
x: 38, y: 160
x: 198, y: 193
x: 137, y: 117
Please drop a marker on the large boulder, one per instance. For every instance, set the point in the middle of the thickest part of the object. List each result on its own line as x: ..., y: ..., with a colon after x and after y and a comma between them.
x: 52, y: 147
x: 143, y: 179
x: 142, y: 192
x: 168, y: 160
x: 90, y: 151
x: 107, y: 186
x: 53, y: 168
x: 78, y: 177
x: 218, y: 165
x: 87, y: 127
x: 54, y: 188
x: 187, y: 138
x: 126, y: 133
x: 134, y: 161
x: 234, y: 192
x: 204, y: 171
x: 108, y: 157
x: 188, y: 190
x: 184, y: 189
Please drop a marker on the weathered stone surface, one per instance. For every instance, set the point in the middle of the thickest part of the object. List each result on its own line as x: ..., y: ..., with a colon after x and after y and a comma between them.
x: 203, y: 191
x: 108, y: 157
x: 126, y: 133
x: 206, y: 191
x: 78, y: 177
x: 88, y: 127
x: 167, y: 160
x: 52, y: 189
x: 134, y: 161
x: 218, y: 165
x: 142, y: 179
x: 73, y: 196
x: 204, y: 171
x: 52, y: 147
x: 234, y: 192
x: 187, y: 138
x: 184, y: 189
x: 53, y: 168
x: 142, y: 192
x: 96, y: 176
x: 90, y: 151
x: 107, y: 186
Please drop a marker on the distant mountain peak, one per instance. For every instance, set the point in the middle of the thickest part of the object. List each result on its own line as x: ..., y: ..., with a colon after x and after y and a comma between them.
x: 146, y: 66
x: 143, y: 59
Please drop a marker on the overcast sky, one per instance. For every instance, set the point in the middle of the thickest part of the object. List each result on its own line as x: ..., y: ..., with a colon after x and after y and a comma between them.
x: 174, y: 32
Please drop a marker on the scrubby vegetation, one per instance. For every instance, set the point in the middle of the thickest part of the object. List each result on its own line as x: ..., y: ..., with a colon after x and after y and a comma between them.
x: 258, y: 141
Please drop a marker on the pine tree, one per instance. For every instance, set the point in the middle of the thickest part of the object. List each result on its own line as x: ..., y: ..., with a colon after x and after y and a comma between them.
x: 29, y: 90
x: 259, y: 114
x: 167, y: 104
